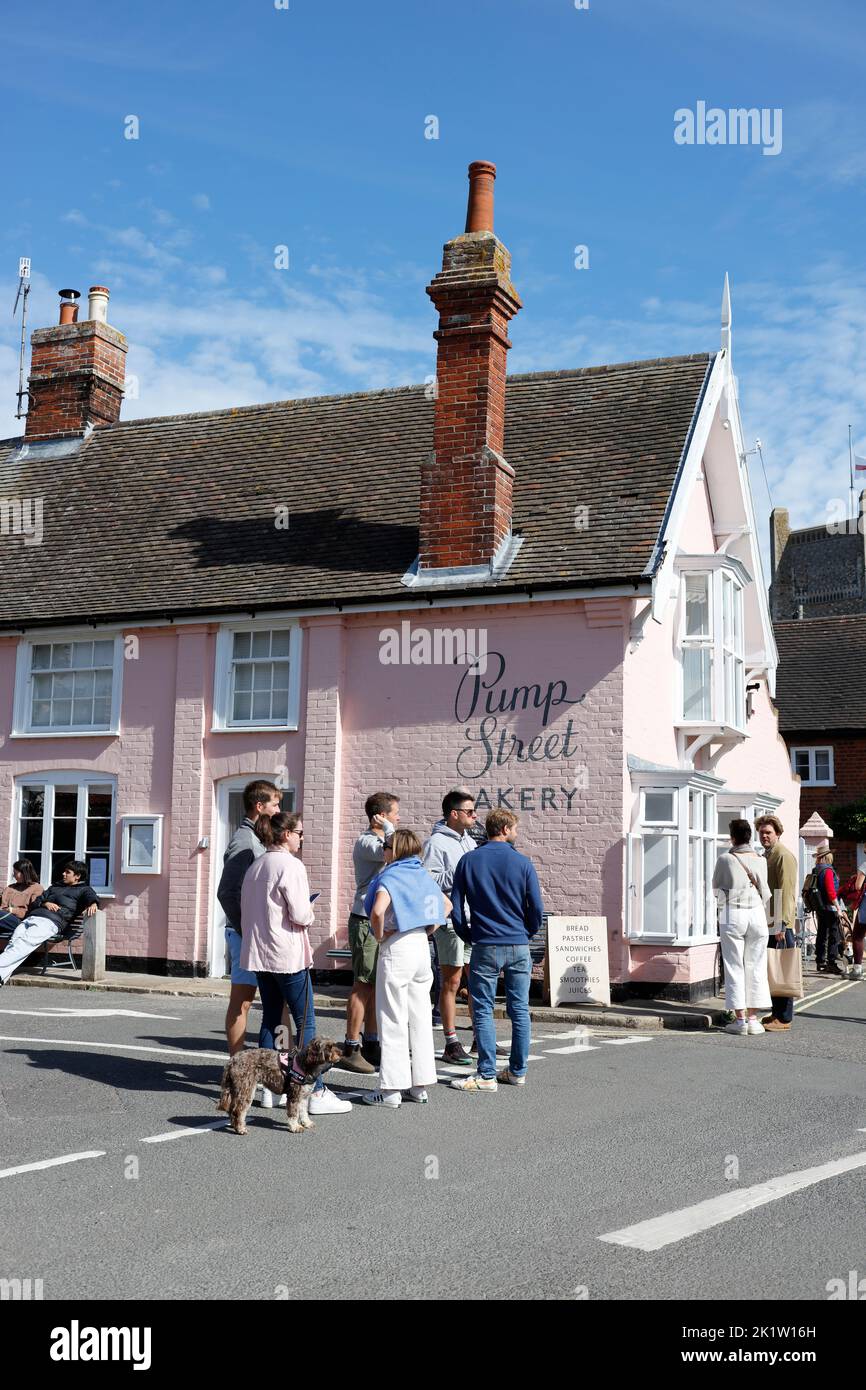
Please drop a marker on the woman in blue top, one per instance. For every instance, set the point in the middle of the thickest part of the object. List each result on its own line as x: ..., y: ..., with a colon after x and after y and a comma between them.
x: 405, y: 905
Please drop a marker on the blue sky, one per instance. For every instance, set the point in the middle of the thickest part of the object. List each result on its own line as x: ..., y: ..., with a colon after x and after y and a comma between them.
x: 305, y: 127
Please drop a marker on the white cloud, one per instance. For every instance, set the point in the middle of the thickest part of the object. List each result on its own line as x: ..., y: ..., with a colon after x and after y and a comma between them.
x: 202, y: 202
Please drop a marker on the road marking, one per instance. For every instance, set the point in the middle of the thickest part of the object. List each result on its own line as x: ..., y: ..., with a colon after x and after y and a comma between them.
x: 575, y: 1047
x: 678, y: 1225
x: 623, y: 1042
x: 829, y: 993
x: 89, y: 1013
x: 181, y: 1133
x: 51, y: 1163
x: 119, y: 1047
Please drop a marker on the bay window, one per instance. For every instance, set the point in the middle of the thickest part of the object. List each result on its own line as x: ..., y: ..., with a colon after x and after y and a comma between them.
x: 671, y: 857
x: 712, y: 645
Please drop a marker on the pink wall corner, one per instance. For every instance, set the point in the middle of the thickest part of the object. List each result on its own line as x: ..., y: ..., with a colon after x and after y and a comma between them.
x: 761, y: 763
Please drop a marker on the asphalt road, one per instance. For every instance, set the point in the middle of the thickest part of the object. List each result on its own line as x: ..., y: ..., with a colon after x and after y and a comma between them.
x: 514, y: 1195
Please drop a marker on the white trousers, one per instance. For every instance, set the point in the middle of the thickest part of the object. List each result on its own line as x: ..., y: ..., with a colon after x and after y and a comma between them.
x: 744, y: 936
x: 26, y: 937
x: 403, y: 1012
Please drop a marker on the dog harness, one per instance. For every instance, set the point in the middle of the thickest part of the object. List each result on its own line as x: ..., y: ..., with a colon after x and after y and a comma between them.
x: 292, y: 1073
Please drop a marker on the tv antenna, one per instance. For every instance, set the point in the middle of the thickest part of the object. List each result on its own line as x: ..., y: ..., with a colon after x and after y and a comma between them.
x: 23, y: 292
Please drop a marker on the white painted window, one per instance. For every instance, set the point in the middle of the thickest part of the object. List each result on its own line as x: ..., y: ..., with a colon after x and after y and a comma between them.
x: 141, y: 844
x: 66, y: 815
x: 672, y: 855
x: 257, y: 682
x: 814, y: 766
x: 68, y: 684
x: 712, y: 645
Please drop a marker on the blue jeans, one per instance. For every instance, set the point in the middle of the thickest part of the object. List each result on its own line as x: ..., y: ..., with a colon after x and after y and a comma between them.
x: 485, y: 965
x: 783, y: 1009
x: 296, y: 991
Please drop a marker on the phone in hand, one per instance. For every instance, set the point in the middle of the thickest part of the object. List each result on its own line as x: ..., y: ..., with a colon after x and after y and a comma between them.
x: 313, y: 897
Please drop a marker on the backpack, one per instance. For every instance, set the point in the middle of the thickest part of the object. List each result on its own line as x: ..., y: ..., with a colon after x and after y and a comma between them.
x: 813, y: 898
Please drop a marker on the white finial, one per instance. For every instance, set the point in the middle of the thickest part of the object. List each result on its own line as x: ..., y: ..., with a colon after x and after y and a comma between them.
x: 726, y: 317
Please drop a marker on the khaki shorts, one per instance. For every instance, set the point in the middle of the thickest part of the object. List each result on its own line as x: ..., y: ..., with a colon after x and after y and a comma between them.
x: 364, y: 948
x: 449, y: 948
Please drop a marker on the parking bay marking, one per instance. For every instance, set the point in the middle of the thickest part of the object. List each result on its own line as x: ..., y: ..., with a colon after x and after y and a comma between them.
x: 674, y: 1226
x: 51, y: 1163
x: 89, y: 1013
x: 116, y: 1046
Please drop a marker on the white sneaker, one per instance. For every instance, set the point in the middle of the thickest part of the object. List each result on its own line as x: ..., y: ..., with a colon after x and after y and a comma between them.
x: 739, y: 1026
x: 503, y: 1049
x: 324, y: 1102
x: 266, y: 1099
x: 389, y: 1100
x: 754, y: 1026
x: 856, y: 972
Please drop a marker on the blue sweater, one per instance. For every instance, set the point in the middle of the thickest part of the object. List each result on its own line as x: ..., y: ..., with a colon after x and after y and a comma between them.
x: 501, y: 888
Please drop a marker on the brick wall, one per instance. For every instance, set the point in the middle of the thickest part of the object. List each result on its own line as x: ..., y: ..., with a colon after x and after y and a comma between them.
x: 77, y: 373
x: 849, y: 760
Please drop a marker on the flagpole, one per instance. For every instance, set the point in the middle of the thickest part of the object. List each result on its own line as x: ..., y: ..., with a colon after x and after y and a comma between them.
x: 851, y: 471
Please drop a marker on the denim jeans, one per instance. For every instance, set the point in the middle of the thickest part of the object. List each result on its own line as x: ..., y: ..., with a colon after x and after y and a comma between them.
x: 783, y: 1009
x: 295, y: 990
x: 485, y: 965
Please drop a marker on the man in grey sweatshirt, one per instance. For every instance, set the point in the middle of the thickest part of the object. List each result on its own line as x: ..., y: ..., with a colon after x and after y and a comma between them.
x: 448, y: 842
x: 369, y: 856
x: 260, y: 799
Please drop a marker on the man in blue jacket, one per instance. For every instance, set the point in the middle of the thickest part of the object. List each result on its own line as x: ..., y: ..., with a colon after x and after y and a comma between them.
x: 501, y: 888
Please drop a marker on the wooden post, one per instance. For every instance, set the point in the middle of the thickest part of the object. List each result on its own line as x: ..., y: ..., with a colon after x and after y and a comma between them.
x: 93, y: 950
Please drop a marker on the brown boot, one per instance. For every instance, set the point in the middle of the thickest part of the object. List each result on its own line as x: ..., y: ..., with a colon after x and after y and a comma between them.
x: 775, y: 1025
x: 352, y: 1060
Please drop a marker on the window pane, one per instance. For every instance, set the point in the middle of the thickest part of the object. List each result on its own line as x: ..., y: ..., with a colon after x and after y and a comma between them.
x: 822, y: 765
x: 42, y: 687
x: 696, y: 885
x: 262, y: 673
x: 141, y: 846
x: 697, y: 605
x: 727, y: 611
x: 61, y: 712
x: 280, y: 706
x: 35, y: 859
x: 31, y: 836
x: 696, y: 683
x: 658, y: 874
x: 729, y: 663
x: 99, y: 801
x: 658, y: 806
x: 242, y: 707
x: 82, y: 712
x: 103, y: 653
x: 801, y: 763
x: 101, y: 712
x: 241, y: 644
x: 738, y: 621
x: 66, y: 801
x: 41, y: 714
x: 280, y: 643
x: 64, y: 836
x: 98, y: 833
x: 261, y: 644
x: 62, y: 688
x: 243, y: 678
x: 262, y: 705
x: 83, y: 683
x: 61, y: 656
x: 41, y: 659
x: 102, y: 683
x: 32, y: 801
x: 82, y: 654
x: 281, y: 675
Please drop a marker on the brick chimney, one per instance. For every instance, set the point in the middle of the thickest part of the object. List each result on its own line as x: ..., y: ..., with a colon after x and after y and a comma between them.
x: 77, y: 370
x: 466, y: 486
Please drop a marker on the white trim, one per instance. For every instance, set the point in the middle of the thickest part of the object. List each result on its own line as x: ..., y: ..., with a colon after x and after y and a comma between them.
x: 22, y: 701
x: 221, y: 724
x: 49, y: 780
x: 126, y: 822
x: 812, y: 749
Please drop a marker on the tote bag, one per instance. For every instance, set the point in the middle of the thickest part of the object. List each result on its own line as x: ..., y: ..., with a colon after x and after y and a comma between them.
x: 785, y: 973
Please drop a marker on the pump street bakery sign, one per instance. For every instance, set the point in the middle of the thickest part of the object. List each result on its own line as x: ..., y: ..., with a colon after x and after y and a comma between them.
x: 491, y: 751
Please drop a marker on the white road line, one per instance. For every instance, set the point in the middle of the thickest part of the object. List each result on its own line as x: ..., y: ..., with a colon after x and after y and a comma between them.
x: 678, y: 1225
x: 117, y: 1047
x: 51, y: 1163
x: 181, y: 1133
x: 828, y: 993
x: 59, y: 1014
x: 574, y: 1048
x: 623, y: 1042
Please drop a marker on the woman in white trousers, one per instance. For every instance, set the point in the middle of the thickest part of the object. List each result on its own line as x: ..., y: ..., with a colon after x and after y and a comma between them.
x: 405, y: 906
x: 740, y: 881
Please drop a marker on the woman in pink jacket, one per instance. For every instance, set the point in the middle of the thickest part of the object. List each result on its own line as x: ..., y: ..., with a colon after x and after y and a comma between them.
x: 275, y: 915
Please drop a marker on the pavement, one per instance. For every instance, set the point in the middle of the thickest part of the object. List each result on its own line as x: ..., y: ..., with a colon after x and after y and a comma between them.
x: 656, y: 1164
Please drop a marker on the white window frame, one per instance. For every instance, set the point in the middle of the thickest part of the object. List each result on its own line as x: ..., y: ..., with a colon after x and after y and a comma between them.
x: 682, y: 888
x: 812, y: 780
x: 23, y: 701
x: 50, y: 780
x: 126, y: 823
x: 222, y: 722
x: 718, y: 570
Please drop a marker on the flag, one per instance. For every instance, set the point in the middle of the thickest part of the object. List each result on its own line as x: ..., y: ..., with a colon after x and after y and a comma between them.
x: 859, y: 464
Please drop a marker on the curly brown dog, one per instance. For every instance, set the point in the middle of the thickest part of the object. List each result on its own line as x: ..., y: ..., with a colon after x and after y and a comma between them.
x: 291, y: 1074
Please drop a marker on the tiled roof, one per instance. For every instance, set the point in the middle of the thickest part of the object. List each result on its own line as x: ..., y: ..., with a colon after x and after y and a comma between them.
x: 177, y: 515
x: 821, y: 681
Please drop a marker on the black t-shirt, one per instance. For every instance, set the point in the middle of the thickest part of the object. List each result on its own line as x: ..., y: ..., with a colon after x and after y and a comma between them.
x: 71, y: 898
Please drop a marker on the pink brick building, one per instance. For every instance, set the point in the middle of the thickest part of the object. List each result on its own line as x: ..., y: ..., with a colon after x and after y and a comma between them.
x: 549, y: 591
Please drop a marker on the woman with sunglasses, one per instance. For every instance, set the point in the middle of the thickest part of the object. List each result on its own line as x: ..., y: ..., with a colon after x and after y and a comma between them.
x: 275, y: 914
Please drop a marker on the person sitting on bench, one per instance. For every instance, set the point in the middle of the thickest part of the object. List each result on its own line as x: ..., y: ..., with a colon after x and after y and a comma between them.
x: 16, y: 899
x: 52, y: 916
